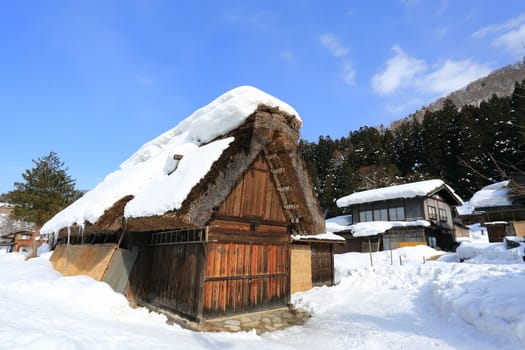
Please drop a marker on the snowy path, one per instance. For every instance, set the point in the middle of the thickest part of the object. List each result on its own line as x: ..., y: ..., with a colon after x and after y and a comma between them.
x: 388, y: 308
x: 409, y: 307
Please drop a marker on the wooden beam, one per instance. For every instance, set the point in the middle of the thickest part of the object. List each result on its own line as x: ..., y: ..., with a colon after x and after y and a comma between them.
x: 253, y: 237
x: 247, y: 220
x: 283, y: 189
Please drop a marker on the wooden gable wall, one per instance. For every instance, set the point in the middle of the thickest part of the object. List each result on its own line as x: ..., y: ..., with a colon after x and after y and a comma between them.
x: 255, y: 196
x: 252, y: 206
x: 248, y: 260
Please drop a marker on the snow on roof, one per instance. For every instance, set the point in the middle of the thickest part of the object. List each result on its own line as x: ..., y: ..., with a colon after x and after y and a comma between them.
x: 327, y: 236
x: 158, y: 182
x: 410, y: 190
x: 493, y: 195
x: 372, y: 228
x: 339, y: 223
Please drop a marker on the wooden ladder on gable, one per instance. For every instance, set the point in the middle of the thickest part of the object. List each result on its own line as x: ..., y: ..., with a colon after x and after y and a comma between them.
x: 273, y: 158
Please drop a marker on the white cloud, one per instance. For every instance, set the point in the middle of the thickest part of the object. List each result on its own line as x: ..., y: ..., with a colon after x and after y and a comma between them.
x: 146, y: 81
x: 441, y: 31
x: 400, y: 72
x: 348, y: 72
x: 405, y: 73
x: 443, y: 6
x: 513, y: 41
x: 334, y: 45
x: 339, y: 51
x: 287, y: 55
x: 508, y: 25
x: 451, y: 76
x: 510, y: 35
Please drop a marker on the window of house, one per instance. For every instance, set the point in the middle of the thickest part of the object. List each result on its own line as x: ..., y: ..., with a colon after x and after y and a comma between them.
x: 432, y: 214
x: 442, y: 214
x: 396, y: 214
x: 380, y: 215
x: 365, y: 215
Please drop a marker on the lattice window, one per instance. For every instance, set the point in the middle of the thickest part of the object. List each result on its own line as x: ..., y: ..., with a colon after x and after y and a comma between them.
x: 181, y: 236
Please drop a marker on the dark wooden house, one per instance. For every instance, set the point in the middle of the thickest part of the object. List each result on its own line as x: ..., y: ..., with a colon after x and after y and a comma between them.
x: 419, y: 213
x: 500, y: 207
x: 227, y: 249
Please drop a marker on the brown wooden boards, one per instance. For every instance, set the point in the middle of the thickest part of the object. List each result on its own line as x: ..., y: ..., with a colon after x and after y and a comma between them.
x: 322, y: 264
x: 244, y: 277
x: 255, y: 196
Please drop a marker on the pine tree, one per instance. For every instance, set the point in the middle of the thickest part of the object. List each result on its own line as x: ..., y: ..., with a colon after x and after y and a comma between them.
x: 408, y: 149
x: 516, y: 123
x: 47, y: 189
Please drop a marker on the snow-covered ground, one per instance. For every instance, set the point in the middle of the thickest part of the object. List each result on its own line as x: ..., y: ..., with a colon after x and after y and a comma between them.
x: 404, y: 305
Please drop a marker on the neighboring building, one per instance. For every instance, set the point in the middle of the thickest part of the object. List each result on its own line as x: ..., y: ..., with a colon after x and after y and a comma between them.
x: 202, y: 220
x: 21, y: 241
x: 26, y: 241
x: 397, y: 216
x: 6, y: 208
x: 9, y: 225
x: 500, y: 207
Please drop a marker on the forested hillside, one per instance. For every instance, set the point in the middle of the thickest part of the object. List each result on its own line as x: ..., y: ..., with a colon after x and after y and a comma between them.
x: 456, y: 145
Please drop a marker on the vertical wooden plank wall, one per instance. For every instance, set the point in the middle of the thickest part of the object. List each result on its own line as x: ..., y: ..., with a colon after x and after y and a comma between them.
x: 255, y: 196
x: 168, y: 276
x: 244, y: 277
x: 322, y: 264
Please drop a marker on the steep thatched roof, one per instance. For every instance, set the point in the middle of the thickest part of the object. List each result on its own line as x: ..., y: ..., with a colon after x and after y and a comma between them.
x: 266, y: 130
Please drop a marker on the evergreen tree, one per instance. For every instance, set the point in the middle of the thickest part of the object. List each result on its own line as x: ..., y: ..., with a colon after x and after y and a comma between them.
x: 47, y: 189
x: 458, y: 146
x: 516, y: 124
x: 408, y: 149
x: 474, y: 159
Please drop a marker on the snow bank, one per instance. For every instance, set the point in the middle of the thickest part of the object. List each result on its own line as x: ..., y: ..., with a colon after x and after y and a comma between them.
x: 416, y: 305
x: 158, y: 182
x: 410, y: 190
x: 489, y: 297
x: 43, y: 310
x: 493, y: 253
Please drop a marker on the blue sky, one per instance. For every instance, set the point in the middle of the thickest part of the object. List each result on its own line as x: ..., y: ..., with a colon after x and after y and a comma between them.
x: 94, y: 80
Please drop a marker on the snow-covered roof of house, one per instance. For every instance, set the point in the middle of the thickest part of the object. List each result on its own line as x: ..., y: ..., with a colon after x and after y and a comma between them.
x: 372, y: 228
x: 493, y: 195
x: 409, y: 190
x: 157, y: 181
x: 327, y: 236
x: 338, y: 223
